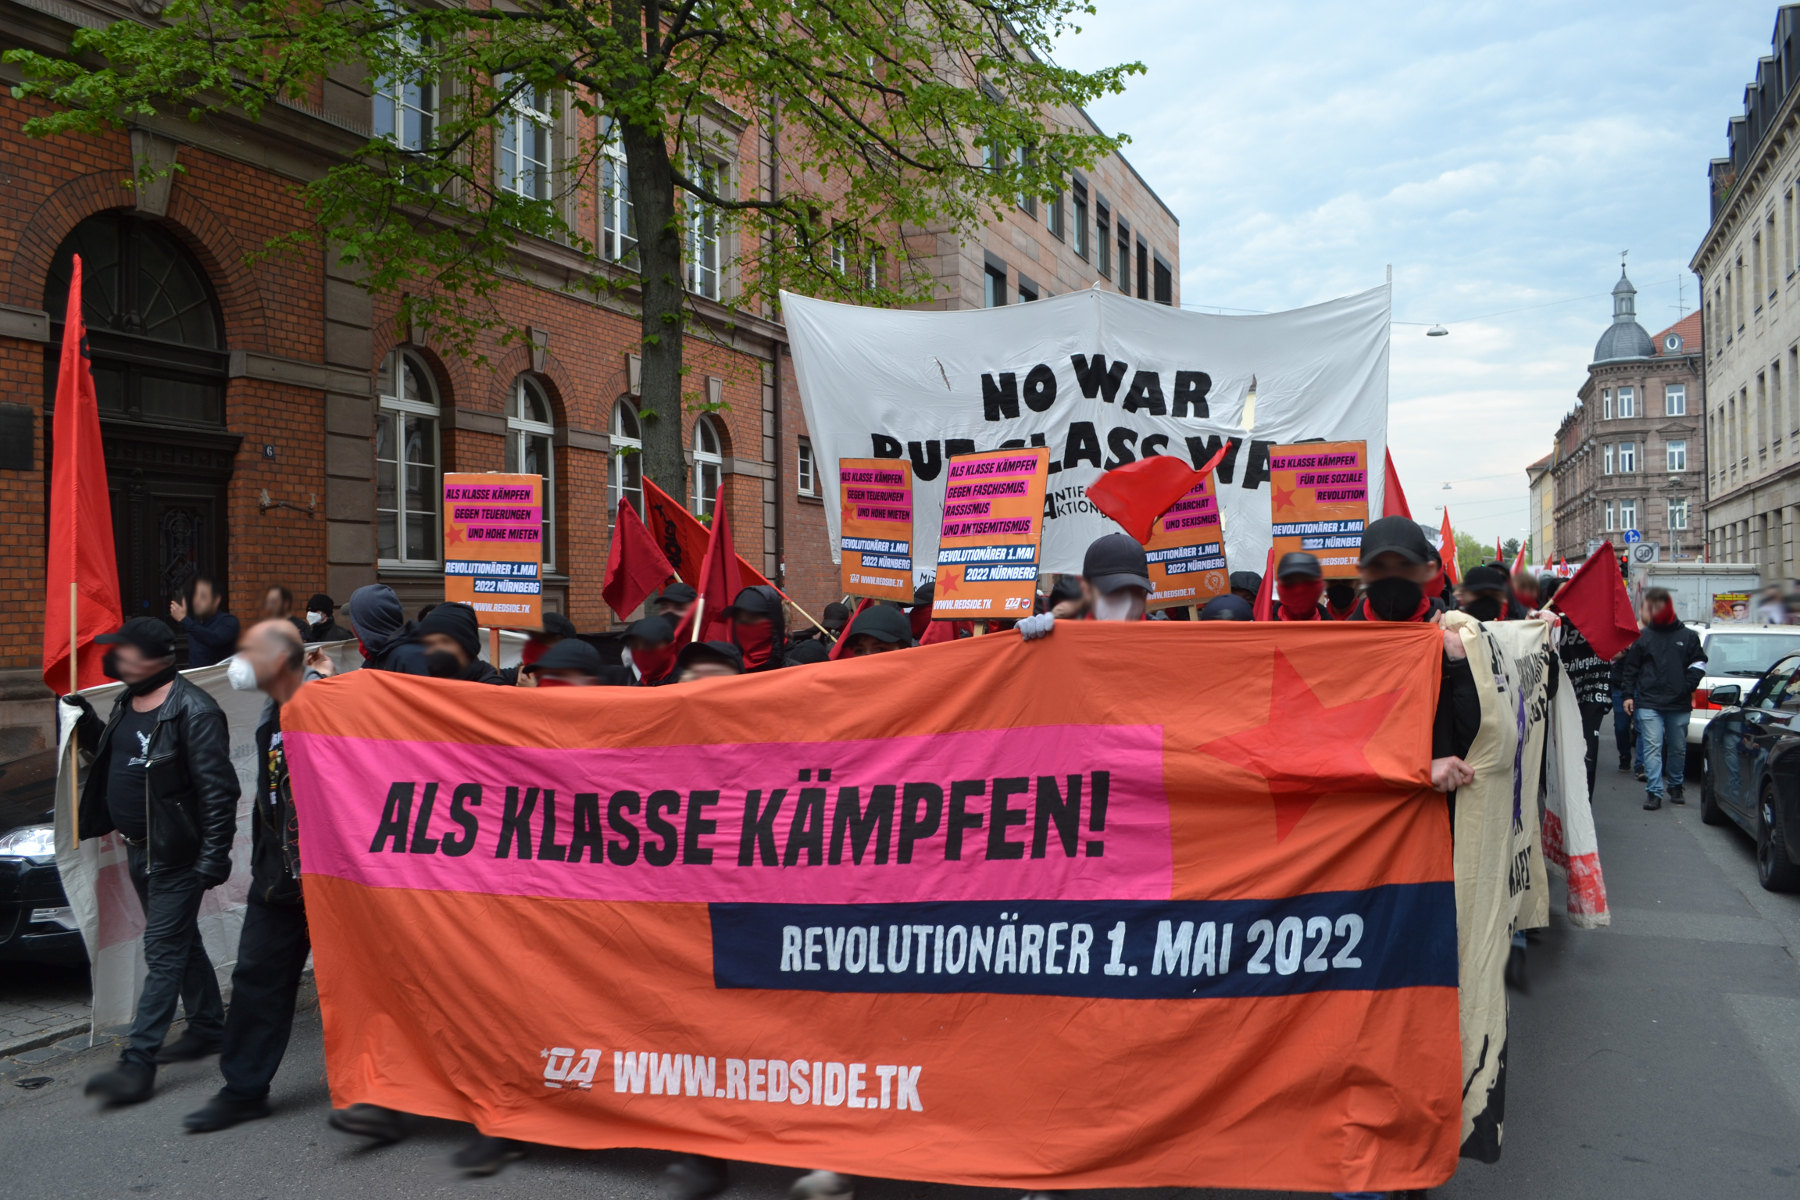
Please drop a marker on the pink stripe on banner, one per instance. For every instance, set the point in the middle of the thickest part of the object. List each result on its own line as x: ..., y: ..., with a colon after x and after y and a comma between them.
x: 1080, y: 810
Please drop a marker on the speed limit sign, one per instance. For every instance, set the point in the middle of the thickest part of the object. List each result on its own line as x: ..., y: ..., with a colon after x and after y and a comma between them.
x: 1646, y: 552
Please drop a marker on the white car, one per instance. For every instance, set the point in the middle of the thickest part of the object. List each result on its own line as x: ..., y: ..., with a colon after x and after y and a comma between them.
x: 1737, y: 654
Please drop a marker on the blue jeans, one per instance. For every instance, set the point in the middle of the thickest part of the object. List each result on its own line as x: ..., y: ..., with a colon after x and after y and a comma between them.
x: 1662, y: 740
x: 1622, y: 733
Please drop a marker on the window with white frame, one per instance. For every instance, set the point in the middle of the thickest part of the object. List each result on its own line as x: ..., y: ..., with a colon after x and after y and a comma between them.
x: 408, y: 500
x: 1022, y: 155
x: 618, y: 220
x: 1609, y: 460
x: 1627, y: 457
x: 1675, y: 400
x: 1628, y: 514
x: 1609, y: 516
x: 808, y: 474
x: 530, y: 438
x: 1678, y: 514
x: 874, y: 268
x: 1627, y: 406
x: 525, y: 142
x: 626, y: 480
x: 1079, y: 198
x: 1606, y: 404
x: 709, y: 468
x: 404, y: 107
x: 1677, y: 455
x: 1053, y: 216
x: 703, y: 233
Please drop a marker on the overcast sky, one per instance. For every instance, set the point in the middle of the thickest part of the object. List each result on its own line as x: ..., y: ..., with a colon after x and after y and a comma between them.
x: 1499, y: 155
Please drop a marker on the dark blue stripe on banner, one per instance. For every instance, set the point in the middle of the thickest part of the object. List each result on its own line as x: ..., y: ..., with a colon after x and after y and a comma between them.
x: 1402, y: 935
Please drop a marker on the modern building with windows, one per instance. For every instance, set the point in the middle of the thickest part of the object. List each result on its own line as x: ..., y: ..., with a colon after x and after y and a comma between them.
x: 265, y: 421
x: 1751, y: 297
x: 1630, y: 456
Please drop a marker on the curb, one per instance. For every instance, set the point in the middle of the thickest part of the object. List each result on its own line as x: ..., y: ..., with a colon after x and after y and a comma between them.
x: 36, y: 1041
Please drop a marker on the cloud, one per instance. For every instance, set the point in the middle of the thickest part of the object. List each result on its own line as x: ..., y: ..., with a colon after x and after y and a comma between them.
x: 1499, y: 156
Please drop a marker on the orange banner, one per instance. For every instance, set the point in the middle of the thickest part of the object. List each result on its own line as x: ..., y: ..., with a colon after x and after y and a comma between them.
x: 876, y: 499
x: 1186, y: 551
x: 1319, y: 502
x: 494, y: 548
x: 1159, y: 905
x: 987, y: 564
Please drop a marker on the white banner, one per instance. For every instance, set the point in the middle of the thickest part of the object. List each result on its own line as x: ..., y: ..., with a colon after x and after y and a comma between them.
x: 1099, y: 378
x: 97, y: 881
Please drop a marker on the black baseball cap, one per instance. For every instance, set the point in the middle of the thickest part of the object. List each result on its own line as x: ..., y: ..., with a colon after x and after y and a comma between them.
x: 555, y: 626
x: 1227, y: 608
x: 1298, y: 562
x: 882, y: 623
x: 812, y: 650
x: 1116, y: 561
x: 152, y: 637
x: 570, y: 654
x: 1246, y: 581
x: 836, y: 616
x: 718, y: 652
x: 1485, y: 579
x: 650, y: 629
x: 1396, y: 535
x: 678, y: 593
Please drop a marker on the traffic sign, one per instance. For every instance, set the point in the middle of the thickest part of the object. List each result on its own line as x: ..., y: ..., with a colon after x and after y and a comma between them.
x: 1632, y: 536
x: 1646, y: 552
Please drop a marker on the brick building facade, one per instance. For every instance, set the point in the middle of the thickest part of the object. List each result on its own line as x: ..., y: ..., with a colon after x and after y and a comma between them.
x: 265, y: 419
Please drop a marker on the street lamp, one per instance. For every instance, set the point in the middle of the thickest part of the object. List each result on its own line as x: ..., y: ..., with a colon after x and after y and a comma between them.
x: 1676, y: 492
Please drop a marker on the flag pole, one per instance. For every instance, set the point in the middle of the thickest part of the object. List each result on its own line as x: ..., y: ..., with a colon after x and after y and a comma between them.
x: 699, y: 611
x: 74, y: 734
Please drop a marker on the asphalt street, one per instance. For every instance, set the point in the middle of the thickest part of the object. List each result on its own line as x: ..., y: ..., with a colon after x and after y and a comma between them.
x: 1657, y: 1058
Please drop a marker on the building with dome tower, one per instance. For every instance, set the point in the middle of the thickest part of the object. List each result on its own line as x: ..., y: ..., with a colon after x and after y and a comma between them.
x: 1631, y: 455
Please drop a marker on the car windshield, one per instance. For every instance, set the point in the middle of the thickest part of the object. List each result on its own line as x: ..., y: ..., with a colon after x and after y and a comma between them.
x: 1747, y: 654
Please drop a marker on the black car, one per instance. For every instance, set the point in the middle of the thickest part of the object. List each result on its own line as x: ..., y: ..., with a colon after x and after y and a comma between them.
x: 35, y: 920
x: 1752, y: 770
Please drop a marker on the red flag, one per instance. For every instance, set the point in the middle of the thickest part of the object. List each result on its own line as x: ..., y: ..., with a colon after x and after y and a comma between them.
x: 1264, y: 609
x: 1596, y: 603
x: 1393, y: 496
x: 81, y: 594
x: 635, y: 567
x: 1447, y: 550
x: 1137, y: 493
x: 837, y: 647
x: 718, y: 580
x: 682, y: 537
x: 1518, y: 561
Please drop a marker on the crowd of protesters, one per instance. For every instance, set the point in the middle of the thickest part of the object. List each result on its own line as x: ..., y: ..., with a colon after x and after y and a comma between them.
x: 161, y: 775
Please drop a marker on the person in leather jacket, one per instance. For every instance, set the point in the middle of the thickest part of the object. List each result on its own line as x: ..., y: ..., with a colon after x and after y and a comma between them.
x: 161, y: 775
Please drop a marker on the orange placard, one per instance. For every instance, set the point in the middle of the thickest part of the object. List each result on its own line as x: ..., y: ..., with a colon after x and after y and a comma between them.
x: 1187, y: 551
x: 876, y: 526
x: 494, y: 547
x: 1319, y: 501
x: 987, y: 563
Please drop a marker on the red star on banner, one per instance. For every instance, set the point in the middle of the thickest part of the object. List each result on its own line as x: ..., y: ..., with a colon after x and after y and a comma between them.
x: 1306, y: 750
x: 453, y: 534
x: 1283, y: 497
x: 947, y: 582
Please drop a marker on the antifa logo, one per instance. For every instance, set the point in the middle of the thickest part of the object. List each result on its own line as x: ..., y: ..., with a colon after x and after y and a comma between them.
x: 671, y: 544
x: 84, y: 347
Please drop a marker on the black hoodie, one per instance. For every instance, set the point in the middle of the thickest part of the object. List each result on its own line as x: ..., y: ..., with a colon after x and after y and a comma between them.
x: 762, y: 601
x: 388, y: 640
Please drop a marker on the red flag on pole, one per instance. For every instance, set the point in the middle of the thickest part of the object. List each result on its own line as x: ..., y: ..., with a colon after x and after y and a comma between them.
x: 1137, y: 493
x: 1447, y: 550
x: 1264, y: 609
x: 81, y: 594
x: 1518, y: 560
x: 683, y: 537
x: 1393, y: 496
x: 1596, y: 603
x: 718, y: 580
x: 635, y: 566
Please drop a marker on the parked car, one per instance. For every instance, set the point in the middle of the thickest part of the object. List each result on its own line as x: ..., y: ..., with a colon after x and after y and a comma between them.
x: 1734, y: 654
x: 36, y: 922
x: 1752, y: 769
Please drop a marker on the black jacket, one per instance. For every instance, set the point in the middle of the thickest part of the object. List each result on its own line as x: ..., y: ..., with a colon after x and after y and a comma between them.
x: 192, y: 804
x: 330, y: 631
x: 274, y: 830
x: 480, y: 670
x: 1663, y: 667
x: 388, y: 639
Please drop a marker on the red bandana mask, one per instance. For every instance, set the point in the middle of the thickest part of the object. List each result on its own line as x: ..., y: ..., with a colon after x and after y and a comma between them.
x: 757, y: 641
x: 532, y: 651
x: 653, y: 662
x: 1665, y: 616
x: 1301, y: 600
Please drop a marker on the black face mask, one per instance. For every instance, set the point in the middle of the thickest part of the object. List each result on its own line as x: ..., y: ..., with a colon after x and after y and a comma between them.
x: 1483, y: 608
x: 1395, y: 598
x: 442, y: 664
x: 109, y: 663
x: 1340, y: 594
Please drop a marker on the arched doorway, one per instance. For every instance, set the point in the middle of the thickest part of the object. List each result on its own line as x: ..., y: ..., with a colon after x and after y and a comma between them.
x: 157, y: 345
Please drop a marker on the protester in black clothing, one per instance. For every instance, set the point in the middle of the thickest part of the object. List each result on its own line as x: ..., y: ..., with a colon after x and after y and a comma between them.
x: 319, y: 624
x: 389, y: 641
x: 1340, y: 599
x: 708, y: 660
x: 161, y: 775
x: 569, y: 663
x: 1631, y: 756
x: 1485, y: 596
x: 1115, y: 582
x: 878, y: 629
x: 273, y: 946
x: 1301, y: 583
x: 451, y: 639
x: 1065, y: 601
x: 1395, y: 565
x: 830, y: 627
x: 650, y: 650
x: 1591, y: 678
x: 212, y: 635
x: 1229, y: 607
x: 674, y: 601
x: 1245, y: 585
x: 759, y: 628
x: 1662, y: 669
x: 556, y: 628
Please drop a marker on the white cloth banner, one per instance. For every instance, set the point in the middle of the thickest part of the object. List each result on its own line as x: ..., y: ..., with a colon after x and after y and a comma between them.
x: 95, y: 877
x: 1571, y: 846
x: 1099, y: 378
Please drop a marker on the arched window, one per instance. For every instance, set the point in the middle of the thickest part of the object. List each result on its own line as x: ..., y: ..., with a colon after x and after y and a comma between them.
x: 408, y: 500
x: 530, y: 433
x: 709, y: 465
x: 627, y: 479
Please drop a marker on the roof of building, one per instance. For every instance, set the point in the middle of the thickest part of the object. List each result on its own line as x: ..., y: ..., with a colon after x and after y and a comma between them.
x: 1624, y: 338
x: 1540, y: 466
x: 1688, y: 329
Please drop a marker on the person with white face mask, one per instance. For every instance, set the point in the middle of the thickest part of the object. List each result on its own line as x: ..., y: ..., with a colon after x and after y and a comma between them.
x: 319, y: 624
x: 1115, y: 584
